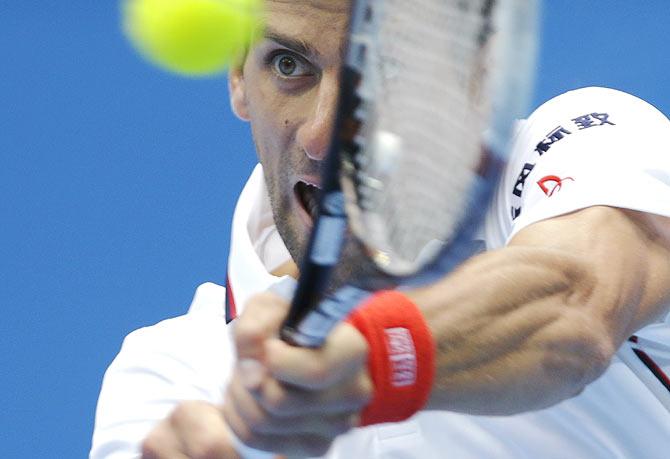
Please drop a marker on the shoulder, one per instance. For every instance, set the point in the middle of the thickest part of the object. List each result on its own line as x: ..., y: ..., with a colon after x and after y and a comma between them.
x: 185, y: 357
x: 596, y: 146
x: 589, y: 120
x: 580, y: 108
x: 586, y: 118
x: 589, y: 95
x: 196, y: 339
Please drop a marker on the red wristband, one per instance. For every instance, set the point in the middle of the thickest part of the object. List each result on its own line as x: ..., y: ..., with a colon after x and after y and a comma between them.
x: 401, y: 359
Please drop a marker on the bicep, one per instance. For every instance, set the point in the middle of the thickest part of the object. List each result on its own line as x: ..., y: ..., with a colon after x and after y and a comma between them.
x: 627, y: 255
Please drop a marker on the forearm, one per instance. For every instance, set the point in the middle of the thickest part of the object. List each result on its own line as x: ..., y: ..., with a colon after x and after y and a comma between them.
x: 511, y: 333
x: 527, y: 326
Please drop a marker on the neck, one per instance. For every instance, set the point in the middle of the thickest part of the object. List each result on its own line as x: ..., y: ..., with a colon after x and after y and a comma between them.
x: 288, y: 268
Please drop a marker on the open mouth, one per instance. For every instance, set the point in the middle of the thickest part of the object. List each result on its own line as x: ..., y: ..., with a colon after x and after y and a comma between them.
x: 308, y: 196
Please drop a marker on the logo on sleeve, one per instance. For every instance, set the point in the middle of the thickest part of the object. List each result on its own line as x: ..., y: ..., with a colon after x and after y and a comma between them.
x: 552, y: 184
x: 592, y: 119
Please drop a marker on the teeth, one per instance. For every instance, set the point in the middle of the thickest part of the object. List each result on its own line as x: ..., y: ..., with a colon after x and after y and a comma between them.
x: 308, y: 196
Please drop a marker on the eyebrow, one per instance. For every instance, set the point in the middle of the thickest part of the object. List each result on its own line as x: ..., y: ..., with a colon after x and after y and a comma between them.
x: 299, y: 46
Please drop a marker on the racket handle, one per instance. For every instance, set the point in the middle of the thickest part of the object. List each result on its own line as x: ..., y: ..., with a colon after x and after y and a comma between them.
x: 316, y: 325
x: 324, y: 249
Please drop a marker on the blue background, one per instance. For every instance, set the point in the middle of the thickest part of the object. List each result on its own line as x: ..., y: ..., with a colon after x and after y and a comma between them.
x: 118, y: 181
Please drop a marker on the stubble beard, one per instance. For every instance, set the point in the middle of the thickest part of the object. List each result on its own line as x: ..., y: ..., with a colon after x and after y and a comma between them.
x: 353, y: 267
x: 287, y: 224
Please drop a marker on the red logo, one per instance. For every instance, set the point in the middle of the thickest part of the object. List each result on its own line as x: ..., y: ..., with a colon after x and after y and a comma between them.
x: 552, y: 183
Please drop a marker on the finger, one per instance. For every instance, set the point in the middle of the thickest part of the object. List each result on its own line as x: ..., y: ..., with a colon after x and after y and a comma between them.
x: 344, y: 353
x: 237, y: 423
x: 202, y: 431
x: 301, y: 445
x: 283, y: 400
x: 298, y: 445
x: 325, y: 427
x: 258, y: 420
x: 261, y: 319
x: 320, y: 426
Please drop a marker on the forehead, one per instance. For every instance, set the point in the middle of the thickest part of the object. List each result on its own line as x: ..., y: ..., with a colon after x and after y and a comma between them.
x: 326, y: 6
x: 311, y: 20
x: 313, y: 27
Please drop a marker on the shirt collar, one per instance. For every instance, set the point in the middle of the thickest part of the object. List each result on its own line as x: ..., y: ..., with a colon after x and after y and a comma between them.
x: 255, y: 248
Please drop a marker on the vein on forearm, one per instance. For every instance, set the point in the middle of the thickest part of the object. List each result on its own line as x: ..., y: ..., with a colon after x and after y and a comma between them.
x: 503, y: 325
x: 529, y: 325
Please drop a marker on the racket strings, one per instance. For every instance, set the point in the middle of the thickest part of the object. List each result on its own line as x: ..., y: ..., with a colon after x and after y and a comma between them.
x: 423, y: 125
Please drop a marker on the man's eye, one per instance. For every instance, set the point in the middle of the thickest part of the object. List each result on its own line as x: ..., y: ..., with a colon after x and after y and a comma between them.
x: 288, y: 65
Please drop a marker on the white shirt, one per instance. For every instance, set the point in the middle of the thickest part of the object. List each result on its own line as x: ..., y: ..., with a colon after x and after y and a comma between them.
x: 624, y: 164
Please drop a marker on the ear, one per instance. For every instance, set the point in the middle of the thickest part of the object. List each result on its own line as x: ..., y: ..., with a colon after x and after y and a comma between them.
x: 238, y: 93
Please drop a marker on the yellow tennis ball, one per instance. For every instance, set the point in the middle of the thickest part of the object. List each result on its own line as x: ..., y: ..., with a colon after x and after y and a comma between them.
x: 192, y: 37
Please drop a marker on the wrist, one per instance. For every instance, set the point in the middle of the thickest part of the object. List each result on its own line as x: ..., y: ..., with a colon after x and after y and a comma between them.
x: 401, y: 358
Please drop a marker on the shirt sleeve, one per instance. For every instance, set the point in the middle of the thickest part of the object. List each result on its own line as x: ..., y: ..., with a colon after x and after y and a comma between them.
x: 588, y: 147
x: 185, y: 358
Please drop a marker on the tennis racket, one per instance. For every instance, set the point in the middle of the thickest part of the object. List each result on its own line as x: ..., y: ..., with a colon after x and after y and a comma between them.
x: 429, y: 92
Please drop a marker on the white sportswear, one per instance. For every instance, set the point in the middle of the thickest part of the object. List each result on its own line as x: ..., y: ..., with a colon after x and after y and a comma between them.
x: 588, y: 147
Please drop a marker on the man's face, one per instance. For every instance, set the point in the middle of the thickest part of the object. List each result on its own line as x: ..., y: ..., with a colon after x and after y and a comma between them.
x: 287, y: 89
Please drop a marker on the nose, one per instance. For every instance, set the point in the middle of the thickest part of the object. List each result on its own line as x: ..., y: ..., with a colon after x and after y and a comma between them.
x: 314, y: 134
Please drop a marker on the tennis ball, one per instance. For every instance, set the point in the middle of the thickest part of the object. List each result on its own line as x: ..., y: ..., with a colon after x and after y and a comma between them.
x: 192, y: 37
